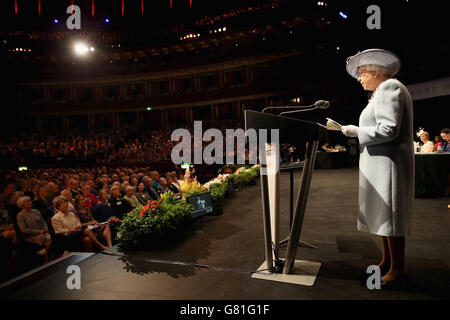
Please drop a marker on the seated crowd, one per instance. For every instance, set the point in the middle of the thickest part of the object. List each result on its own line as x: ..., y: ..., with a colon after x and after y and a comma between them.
x: 56, y: 211
x: 441, y: 142
x: 127, y: 144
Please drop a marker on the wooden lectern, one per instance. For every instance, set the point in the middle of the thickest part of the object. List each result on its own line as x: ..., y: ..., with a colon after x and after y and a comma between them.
x: 292, y: 131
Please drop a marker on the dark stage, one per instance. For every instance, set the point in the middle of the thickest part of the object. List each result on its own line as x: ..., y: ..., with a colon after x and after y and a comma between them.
x: 235, y: 240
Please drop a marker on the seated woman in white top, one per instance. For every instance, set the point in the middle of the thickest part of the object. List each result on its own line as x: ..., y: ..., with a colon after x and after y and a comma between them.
x: 68, y: 228
x: 428, y: 145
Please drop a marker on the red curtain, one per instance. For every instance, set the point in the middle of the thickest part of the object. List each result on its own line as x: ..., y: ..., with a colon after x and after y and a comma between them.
x: 15, y: 6
x: 93, y: 8
x: 123, y: 8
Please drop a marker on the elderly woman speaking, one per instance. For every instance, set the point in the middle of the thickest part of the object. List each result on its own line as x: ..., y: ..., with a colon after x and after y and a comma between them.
x: 386, y: 167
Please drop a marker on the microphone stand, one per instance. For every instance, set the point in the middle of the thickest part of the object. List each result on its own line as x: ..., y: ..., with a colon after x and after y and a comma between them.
x: 295, y: 111
x: 288, y: 107
x: 285, y: 241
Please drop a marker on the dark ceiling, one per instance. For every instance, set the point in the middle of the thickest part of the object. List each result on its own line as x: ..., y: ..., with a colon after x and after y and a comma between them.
x: 415, y: 30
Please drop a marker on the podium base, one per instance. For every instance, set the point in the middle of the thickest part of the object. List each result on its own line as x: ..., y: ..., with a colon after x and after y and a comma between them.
x: 304, y: 273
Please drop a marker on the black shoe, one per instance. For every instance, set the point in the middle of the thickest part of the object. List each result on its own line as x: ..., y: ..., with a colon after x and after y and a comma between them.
x: 402, y: 283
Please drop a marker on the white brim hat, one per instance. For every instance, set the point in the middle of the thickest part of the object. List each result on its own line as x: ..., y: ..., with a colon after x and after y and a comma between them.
x: 379, y: 57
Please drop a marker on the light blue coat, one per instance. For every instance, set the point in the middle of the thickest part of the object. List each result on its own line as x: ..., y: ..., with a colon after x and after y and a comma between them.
x: 386, y: 166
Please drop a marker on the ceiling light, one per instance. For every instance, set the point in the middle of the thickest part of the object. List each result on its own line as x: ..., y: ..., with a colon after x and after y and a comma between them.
x: 81, y: 48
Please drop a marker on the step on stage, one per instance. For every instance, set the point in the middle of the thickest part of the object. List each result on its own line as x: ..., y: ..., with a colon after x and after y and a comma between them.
x: 232, y: 243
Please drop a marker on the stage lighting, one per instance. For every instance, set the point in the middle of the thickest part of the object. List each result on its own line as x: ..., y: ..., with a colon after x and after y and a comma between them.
x: 81, y: 49
x: 107, y: 20
x: 343, y: 14
x: 55, y: 20
x: 92, y: 49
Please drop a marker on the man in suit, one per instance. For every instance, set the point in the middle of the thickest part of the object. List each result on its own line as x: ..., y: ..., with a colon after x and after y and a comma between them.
x: 148, y: 182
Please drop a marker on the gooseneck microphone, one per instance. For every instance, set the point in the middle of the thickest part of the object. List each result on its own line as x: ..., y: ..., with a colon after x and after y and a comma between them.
x: 319, y: 104
x: 288, y: 107
x: 322, y: 104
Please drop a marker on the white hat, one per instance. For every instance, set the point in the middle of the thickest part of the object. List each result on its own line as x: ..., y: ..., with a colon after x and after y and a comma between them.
x: 379, y: 57
x: 420, y: 132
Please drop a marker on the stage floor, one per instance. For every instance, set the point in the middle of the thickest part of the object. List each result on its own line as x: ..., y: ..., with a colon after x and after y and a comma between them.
x: 235, y: 240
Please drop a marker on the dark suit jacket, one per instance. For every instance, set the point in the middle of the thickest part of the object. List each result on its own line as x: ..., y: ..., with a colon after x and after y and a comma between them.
x: 152, y: 192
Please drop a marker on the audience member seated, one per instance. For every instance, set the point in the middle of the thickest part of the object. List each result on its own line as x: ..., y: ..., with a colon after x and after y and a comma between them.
x: 32, y: 225
x: 66, y: 193
x: 6, y: 226
x: 88, y: 197
x: 150, y: 189
x: 326, y: 147
x: 163, y: 185
x: 131, y: 198
x: 100, y: 230
x: 445, y: 134
x: 438, y: 143
x: 120, y: 206
x: 428, y: 145
x: 41, y: 203
x: 52, y: 190
x: 189, y: 183
x: 103, y: 211
x: 175, y: 180
x: 68, y: 229
x: 72, y: 186
x: 142, y: 195
x: 170, y: 185
x: 155, y: 179
x: 12, y: 207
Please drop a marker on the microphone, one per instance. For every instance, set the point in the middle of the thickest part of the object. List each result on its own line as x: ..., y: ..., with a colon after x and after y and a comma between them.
x: 322, y: 104
x: 319, y: 104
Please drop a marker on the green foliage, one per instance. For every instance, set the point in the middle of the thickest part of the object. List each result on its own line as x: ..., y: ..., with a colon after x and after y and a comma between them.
x: 246, y: 176
x: 218, y: 191
x: 160, y: 221
x: 198, y: 190
x: 233, y: 167
x: 147, y: 225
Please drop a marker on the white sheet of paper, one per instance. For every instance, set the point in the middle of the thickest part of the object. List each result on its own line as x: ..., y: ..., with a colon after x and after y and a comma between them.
x: 333, y: 125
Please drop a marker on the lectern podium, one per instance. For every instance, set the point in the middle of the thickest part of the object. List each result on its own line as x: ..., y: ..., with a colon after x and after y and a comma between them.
x: 292, y: 131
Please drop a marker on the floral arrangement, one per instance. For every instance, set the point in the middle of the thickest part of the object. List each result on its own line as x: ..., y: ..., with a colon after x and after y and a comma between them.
x: 232, y: 167
x: 156, y: 221
x: 217, y: 187
x: 244, y: 176
x: 164, y: 220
